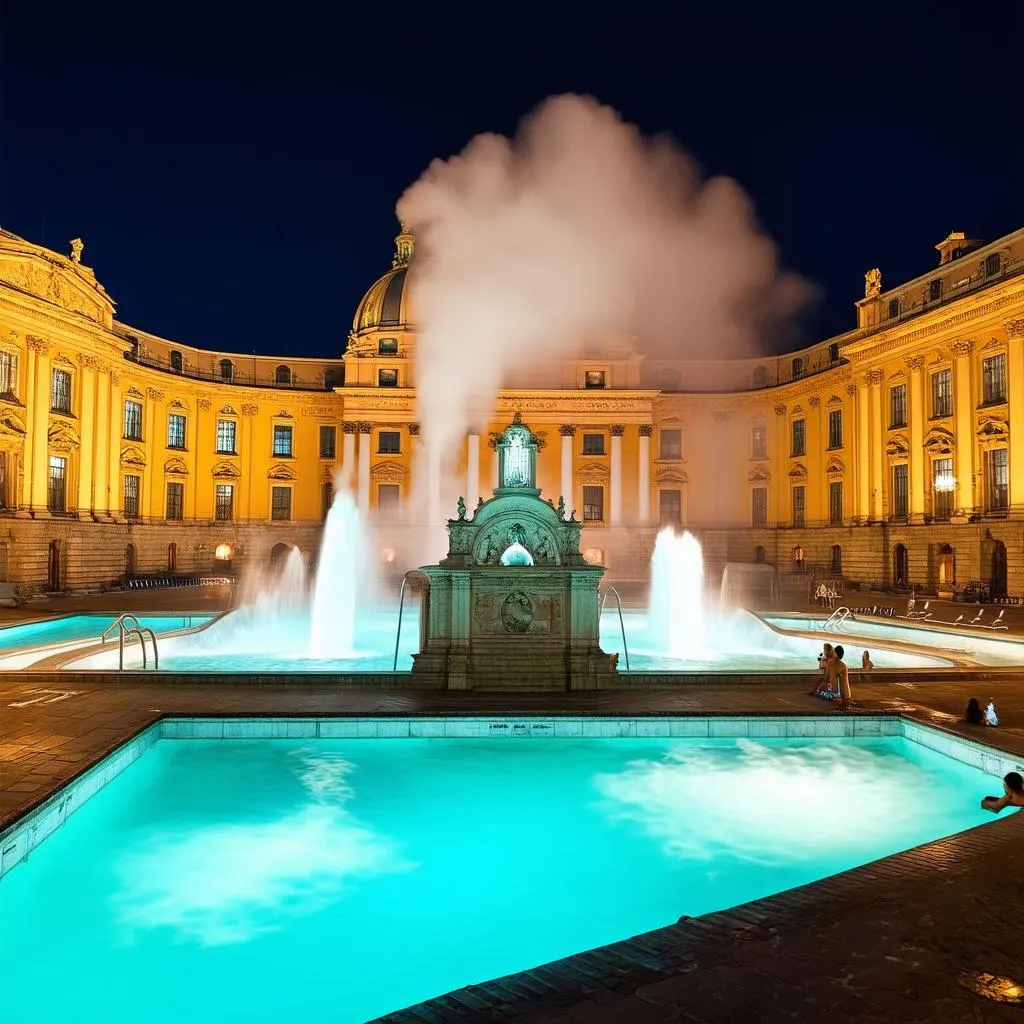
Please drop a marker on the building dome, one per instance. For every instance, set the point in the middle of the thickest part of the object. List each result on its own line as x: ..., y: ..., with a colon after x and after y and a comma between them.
x: 386, y: 303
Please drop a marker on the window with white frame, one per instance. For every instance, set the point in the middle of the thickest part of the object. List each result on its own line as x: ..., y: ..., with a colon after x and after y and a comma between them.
x: 282, y: 441
x: 131, y: 495
x: 175, y: 500
x: 593, y: 504
x: 993, y: 379
x: 799, y: 495
x: 671, y: 444
x: 997, y: 477
x: 835, y: 428
x: 942, y: 393
x: 224, y: 507
x: 175, y: 430
x: 226, y: 430
x: 8, y: 373
x: 759, y: 441
x: 60, y: 390
x: 132, y: 420
x: 898, y: 405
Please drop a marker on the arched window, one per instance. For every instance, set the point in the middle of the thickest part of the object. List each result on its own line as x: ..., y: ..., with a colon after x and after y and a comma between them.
x: 798, y: 367
x: 226, y: 369
x: 283, y: 375
x: 176, y: 362
x: 759, y: 553
x: 837, y: 559
x: 172, y: 557
x: 760, y: 377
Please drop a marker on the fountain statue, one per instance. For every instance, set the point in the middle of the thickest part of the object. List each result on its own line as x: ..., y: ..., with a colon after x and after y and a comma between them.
x: 514, y: 604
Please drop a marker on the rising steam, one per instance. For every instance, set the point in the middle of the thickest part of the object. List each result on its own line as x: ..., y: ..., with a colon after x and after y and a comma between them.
x: 578, y: 230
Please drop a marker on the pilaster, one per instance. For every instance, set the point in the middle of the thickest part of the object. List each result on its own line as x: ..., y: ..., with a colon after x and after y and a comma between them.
x: 643, y: 483
x: 918, y: 458
x: 615, y: 503
x: 1015, y: 408
x: 568, y: 432
x: 963, y: 395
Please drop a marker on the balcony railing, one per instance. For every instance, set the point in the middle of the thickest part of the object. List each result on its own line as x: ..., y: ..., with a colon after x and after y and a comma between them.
x: 238, y: 377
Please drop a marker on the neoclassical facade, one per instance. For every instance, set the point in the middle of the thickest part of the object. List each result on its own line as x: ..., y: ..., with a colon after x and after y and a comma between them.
x: 886, y: 453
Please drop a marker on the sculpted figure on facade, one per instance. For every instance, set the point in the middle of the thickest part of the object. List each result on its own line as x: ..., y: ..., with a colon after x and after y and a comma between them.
x: 872, y: 283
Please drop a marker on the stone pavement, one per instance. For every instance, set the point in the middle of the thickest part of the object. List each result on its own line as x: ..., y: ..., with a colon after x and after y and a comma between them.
x: 885, y: 942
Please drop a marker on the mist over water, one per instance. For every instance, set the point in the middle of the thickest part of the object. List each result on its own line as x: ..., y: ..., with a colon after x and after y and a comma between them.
x: 579, y: 230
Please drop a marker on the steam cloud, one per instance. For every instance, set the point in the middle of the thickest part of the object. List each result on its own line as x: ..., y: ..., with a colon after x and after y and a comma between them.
x: 578, y: 230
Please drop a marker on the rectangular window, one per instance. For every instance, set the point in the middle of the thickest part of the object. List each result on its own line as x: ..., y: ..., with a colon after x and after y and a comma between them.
x: 671, y: 444
x: 993, y: 379
x: 131, y: 496
x: 942, y: 393
x: 593, y: 379
x: 900, y: 492
x: 281, y: 503
x: 326, y: 499
x: 387, y: 347
x: 60, y: 391
x: 389, y: 442
x: 3, y: 481
x: 998, y: 477
x: 282, y: 442
x: 934, y: 291
x: 943, y: 486
x: 8, y: 374
x: 833, y: 352
x: 898, y: 405
x: 175, y: 430
x: 387, y: 378
x: 670, y: 508
x: 226, y: 437
x: 798, y: 447
x: 759, y: 506
x: 894, y: 308
x: 224, y: 510
x: 992, y: 265
x: 759, y: 442
x: 593, y: 504
x: 593, y: 444
x: 835, y: 503
x: 56, y: 500
x: 328, y: 441
x: 835, y: 428
x: 798, y: 505
x: 388, y: 498
x: 133, y: 420
x: 175, y: 501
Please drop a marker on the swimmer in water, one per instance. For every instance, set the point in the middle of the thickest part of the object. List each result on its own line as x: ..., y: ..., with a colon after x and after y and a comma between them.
x: 1013, y: 794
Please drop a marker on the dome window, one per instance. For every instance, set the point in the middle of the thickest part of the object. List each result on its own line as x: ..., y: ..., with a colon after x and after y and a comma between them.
x: 226, y: 369
x: 176, y: 361
x: 387, y: 347
x: 387, y: 378
x: 283, y: 376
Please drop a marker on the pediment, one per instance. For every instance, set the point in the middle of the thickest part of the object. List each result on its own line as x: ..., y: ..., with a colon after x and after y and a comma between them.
x: 11, y: 422
x: 593, y: 471
x: 897, y: 378
x: 228, y: 411
x: 797, y: 408
x: 47, y: 277
x: 939, y: 441
x: 389, y: 472
x: 835, y: 467
x: 132, y: 455
x: 133, y: 393
x: 62, y: 436
x: 991, y: 343
x: 671, y: 475
x: 176, y: 467
x: 758, y: 474
x: 897, y: 446
x: 282, y: 472
x: 176, y: 404
x: 993, y: 427
x: 834, y: 400
x: 61, y: 359
x: 284, y: 415
x: 226, y: 471
x: 798, y: 472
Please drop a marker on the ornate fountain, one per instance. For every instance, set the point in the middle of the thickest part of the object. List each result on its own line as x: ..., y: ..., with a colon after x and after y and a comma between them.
x: 514, y: 605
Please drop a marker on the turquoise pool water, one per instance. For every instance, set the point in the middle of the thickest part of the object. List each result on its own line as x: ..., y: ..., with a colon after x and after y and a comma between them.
x: 338, y: 880
x: 82, y: 627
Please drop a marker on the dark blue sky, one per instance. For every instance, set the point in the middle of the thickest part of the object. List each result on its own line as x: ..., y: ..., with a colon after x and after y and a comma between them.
x: 234, y: 179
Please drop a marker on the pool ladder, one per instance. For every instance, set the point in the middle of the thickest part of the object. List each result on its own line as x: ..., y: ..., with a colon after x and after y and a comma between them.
x: 622, y: 625
x: 837, y: 618
x: 124, y: 628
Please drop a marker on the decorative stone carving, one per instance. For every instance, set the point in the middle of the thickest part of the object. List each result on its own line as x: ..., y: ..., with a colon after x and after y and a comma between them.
x: 203, y: 404
x: 38, y: 345
x: 798, y: 472
x: 517, y: 612
x: 54, y: 286
x: 593, y: 471
x: 671, y: 475
x: 646, y: 429
x: 365, y: 427
x: 115, y: 377
x: 175, y: 467
x: 758, y: 474
x: 226, y: 471
x: 993, y: 428
x: 228, y: 410
x: 132, y: 455
x: 617, y: 429
x: 721, y: 416
x: 897, y: 447
x: 851, y: 390
x: 88, y: 362
x: 1014, y: 329
x: 11, y: 422
x: 389, y: 472
x: 350, y: 427
x: 134, y: 392
x: 62, y: 436
x: 155, y: 394
x: 834, y: 400
x: 780, y: 410
x: 250, y: 410
x: 282, y: 472
x: 873, y: 283
x: 321, y: 411
x: 914, y: 363
x: 939, y: 441
x: 991, y: 343
x: 176, y: 403
x: 835, y: 467
x: 77, y: 245
x: 284, y: 414
x: 961, y: 349
x: 873, y: 377
x: 814, y: 401
x: 414, y: 430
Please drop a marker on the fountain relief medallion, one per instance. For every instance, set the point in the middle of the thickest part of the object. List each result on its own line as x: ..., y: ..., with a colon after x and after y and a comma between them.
x: 516, y: 612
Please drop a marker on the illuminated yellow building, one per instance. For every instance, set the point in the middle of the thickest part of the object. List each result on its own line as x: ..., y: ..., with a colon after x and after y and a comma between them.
x: 885, y: 453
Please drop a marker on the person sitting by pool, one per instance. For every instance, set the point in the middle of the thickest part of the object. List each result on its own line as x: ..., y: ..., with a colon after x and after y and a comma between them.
x: 825, y: 660
x: 1013, y: 794
x: 841, y: 680
x: 866, y: 664
x: 972, y: 715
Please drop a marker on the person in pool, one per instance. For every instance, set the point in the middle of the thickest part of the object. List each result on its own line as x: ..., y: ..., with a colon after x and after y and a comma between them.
x: 1013, y: 794
x: 825, y: 661
x: 841, y: 680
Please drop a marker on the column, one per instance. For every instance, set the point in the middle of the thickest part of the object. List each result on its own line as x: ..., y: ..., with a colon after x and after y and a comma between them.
x: 100, y: 442
x: 409, y: 511
x: 41, y: 425
x: 615, y: 504
x: 86, y: 453
x: 365, y: 436
x: 152, y: 439
x: 778, y: 495
x: 472, y: 470
x: 863, y: 453
x: 918, y: 459
x: 817, y: 482
x: 1015, y: 408
x: 877, y: 447
x: 247, y: 446
x: 25, y: 498
x: 116, y: 421
x: 348, y: 454
x: 964, y: 412
x: 643, y: 477
x: 568, y: 432
x: 850, y: 436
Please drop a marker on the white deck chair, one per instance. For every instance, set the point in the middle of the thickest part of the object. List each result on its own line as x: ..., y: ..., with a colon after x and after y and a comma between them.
x: 977, y: 618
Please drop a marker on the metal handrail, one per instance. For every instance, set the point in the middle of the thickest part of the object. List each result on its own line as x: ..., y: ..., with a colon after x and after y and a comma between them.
x: 622, y: 624
x: 119, y: 621
x: 401, y: 605
x: 837, y: 618
x: 128, y: 631
x: 124, y: 629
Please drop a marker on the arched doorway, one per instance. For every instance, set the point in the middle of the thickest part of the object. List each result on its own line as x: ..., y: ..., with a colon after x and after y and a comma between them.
x: 279, y: 555
x: 172, y: 557
x: 129, y: 561
x: 946, y: 564
x: 53, y: 580
x: 997, y: 578
x: 759, y: 553
x: 900, y: 567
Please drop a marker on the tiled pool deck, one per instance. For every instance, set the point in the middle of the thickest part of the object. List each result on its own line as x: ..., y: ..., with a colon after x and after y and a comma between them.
x: 885, y: 942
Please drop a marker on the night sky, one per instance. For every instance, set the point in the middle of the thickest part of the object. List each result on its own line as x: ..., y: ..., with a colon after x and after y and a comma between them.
x: 234, y: 179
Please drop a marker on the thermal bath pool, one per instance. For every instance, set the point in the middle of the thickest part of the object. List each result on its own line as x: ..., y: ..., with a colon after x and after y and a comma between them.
x: 320, y: 878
